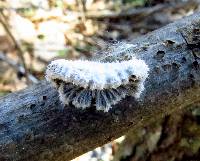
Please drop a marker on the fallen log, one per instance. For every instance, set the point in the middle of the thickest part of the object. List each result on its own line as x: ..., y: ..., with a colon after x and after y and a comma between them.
x: 35, y: 126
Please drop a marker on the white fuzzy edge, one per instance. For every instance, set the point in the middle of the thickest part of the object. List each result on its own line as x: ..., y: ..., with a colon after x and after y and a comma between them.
x: 59, y: 71
x: 81, y: 72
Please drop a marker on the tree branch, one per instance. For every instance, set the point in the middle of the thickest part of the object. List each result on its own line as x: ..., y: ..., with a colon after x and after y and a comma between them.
x: 34, y: 125
x: 17, y: 67
x: 140, y: 13
x: 17, y: 45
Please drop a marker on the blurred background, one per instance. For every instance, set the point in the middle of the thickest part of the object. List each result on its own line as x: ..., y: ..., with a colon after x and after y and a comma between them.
x: 34, y: 32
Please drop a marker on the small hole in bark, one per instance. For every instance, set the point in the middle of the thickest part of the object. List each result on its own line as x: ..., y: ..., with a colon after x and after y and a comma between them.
x: 196, y: 31
x: 175, y: 65
x: 21, y: 118
x: 179, y: 46
x: 167, y: 67
x: 191, y: 76
x: 169, y: 42
x: 32, y: 106
x: 3, y: 126
x: 195, y: 64
x: 42, y: 141
x: 157, y: 70
x: 44, y: 97
x: 184, y: 60
x: 159, y: 55
x: 195, y: 38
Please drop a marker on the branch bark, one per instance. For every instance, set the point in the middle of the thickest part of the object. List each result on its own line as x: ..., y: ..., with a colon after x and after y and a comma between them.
x: 34, y: 125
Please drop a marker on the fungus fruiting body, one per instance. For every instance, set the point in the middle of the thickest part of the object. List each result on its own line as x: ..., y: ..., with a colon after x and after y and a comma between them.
x: 103, y: 84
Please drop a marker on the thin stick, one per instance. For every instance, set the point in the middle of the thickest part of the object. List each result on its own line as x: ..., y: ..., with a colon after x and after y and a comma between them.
x: 82, y: 8
x: 17, y: 67
x: 17, y: 45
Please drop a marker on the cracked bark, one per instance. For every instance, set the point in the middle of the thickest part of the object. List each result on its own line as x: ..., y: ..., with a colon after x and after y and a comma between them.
x: 34, y: 125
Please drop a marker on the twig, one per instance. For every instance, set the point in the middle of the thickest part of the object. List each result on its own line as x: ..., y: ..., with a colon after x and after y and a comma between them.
x: 82, y: 8
x: 83, y: 5
x: 17, y: 45
x: 140, y: 12
x: 17, y: 67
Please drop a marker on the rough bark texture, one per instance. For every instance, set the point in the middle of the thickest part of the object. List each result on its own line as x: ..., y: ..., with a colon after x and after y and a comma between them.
x: 175, y: 137
x: 34, y: 125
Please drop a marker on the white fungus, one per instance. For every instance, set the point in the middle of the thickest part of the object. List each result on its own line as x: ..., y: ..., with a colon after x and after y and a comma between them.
x: 103, y: 84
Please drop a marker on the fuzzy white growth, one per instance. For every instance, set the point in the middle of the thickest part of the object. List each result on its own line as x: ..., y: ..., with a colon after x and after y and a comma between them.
x: 84, y: 82
x: 96, y: 75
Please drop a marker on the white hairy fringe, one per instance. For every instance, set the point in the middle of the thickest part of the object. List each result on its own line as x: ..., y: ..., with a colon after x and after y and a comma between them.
x: 84, y: 83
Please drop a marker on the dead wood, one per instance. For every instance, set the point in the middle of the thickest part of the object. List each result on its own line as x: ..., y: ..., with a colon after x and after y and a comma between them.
x: 34, y: 125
